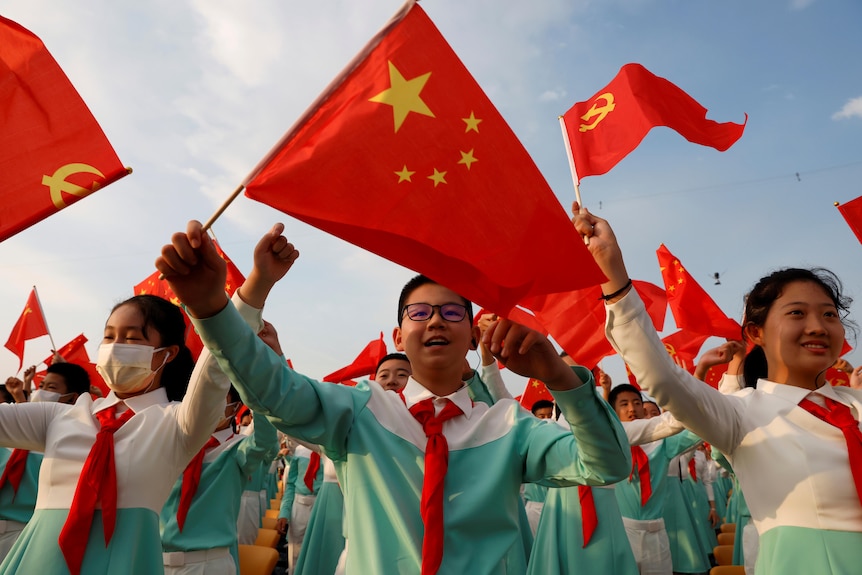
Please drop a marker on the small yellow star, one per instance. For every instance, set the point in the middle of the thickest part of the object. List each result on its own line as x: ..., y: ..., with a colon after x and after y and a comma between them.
x: 671, y: 287
x: 404, y: 175
x: 403, y: 95
x: 438, y: 177
x: 472, y: 123
x: 467, y: 159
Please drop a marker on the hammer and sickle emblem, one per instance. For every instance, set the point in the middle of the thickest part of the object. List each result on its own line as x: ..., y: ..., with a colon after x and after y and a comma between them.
x: 57, y: 183
x: 598, y: 112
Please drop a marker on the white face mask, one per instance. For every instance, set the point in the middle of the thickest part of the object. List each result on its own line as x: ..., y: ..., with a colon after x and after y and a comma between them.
x: 127, y: 367
x: 44, y: 395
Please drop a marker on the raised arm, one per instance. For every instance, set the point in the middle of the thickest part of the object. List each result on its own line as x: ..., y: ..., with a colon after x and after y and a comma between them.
x: 709, y: 414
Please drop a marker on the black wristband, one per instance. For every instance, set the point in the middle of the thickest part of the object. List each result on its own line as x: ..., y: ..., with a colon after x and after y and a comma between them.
x: 618, y: 292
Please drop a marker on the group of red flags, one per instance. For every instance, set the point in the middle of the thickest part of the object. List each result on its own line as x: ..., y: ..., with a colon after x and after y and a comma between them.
x: 389, y: 139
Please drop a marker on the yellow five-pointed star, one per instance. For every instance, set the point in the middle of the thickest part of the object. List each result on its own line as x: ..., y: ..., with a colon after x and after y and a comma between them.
x: 438, y: 177
x: 403, y: 95
x: 467, y: 159
x: 404, y: 175
x: 472, y: 123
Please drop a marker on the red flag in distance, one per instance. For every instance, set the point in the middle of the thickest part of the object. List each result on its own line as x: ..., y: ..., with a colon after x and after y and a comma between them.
x: 30, y: 325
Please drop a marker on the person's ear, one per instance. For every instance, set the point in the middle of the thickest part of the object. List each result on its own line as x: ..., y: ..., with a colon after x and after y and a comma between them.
x: 173, y: 351
x: 397, y: 340
x: 753, y: 333
x: 476, y: 333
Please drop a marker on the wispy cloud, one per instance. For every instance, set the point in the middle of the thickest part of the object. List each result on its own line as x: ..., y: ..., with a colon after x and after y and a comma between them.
x: 852, y: 108
x: 800, y: 4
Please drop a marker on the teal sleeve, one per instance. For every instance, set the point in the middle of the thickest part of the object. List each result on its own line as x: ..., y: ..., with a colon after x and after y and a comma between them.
x: 681, y: 442
x: 318, y: 413
x: 261, y: 446
x: 289, y: 490
x: 595, y: 452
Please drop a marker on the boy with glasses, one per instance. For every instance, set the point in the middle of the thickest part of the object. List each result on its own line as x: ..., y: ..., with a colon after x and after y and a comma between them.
x: 431, y: 481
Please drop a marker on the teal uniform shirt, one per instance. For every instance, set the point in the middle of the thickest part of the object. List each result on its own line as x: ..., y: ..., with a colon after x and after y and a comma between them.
x: 211, y: 519
x: 378, y: 450
x: 295, y: 484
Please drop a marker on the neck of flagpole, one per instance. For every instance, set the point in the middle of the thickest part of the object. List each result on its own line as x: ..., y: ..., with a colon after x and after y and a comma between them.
x: 222, y: 208
x: 42, y: 311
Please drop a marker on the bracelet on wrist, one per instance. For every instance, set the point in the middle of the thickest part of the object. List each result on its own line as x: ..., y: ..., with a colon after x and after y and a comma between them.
x: 618, y: 292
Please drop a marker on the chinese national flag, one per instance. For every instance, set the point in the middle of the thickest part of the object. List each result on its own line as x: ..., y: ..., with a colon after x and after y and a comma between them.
x: 159, y: 287
x: 693, y: 310
x: 75, y: 352
x: 852, y: 212
x: 52, y: 151
x: 533, y: 392
x: 405, y: 156
x: 30, y: 325
x: 364, y: 365
x: 605, y: 128
x: 576, y: 320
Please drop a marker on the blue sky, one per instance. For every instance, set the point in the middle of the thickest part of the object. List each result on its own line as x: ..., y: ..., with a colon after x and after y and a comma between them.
x: 193, y: 93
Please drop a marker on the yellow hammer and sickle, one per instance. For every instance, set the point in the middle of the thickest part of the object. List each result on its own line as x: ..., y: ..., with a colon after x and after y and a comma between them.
x: 598, y: 112
x: 57, y: 183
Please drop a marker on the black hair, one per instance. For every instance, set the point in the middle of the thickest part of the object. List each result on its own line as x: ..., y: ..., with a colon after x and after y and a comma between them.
x: 645, y: 401
x: 5, y: 396
x: 390, y: 356
x: 622, y: 388
x: 759, y: 301
x: 233, y: 394
x: 76, y: 377
x: 170, y: 322
x: 415, y: 283
x: 541, y: 404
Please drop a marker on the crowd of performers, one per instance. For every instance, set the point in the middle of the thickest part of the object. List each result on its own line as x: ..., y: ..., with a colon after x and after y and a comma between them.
x: 432, y: 467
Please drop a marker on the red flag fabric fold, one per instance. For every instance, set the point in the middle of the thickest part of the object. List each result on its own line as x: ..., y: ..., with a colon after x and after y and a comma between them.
x: 52, y: 150
x: 852, y: 212
x: 533, y: 392
x: 154, y: 285
x: 364, y: 365
x: 607, y: 127
x: 407, y: 138
x: 30, y: 325
x: 692, y: 308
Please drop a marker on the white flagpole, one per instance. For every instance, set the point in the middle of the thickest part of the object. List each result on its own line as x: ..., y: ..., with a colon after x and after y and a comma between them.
x: 42, y: 311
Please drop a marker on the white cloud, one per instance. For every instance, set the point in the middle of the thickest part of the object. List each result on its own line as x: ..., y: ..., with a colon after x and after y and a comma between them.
x: 552, y: 95
x: 852, y: 108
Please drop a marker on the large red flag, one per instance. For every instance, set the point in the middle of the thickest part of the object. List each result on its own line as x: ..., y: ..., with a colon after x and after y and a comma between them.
x: 605, y: 128
x: 154, y: 284
x: 405, y: 156
x: 692, y: 308
x: 576, y: 320
x: 364, y: 365
x: 30, y: 325
x: 52, y: 151
x: 852, y: 212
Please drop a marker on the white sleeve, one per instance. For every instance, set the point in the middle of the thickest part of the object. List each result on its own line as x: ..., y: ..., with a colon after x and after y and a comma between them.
x: 642, y: 431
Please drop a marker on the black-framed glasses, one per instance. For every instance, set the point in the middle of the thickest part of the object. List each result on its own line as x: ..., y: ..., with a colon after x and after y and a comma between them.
x: 453, y: 312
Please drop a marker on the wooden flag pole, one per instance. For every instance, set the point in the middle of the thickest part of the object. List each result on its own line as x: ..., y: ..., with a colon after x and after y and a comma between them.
x: 42, y: 311
x: 572, y: 168
x: 222, y: 208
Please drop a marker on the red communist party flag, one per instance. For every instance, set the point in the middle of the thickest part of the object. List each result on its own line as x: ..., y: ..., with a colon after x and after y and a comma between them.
x: 52, y: 151
x: 30, y: 325
x: 692, y: 308
x: 405, y: 156
x: 683, y: 346
x: 364, y: 365
x: 852, y: 212
x: 605, y: 128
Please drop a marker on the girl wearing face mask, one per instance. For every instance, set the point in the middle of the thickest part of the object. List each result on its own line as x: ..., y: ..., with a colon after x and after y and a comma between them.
x: 110, y: 463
